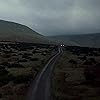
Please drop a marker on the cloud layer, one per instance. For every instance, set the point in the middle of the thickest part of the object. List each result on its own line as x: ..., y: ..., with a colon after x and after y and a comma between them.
x: 51, y: 17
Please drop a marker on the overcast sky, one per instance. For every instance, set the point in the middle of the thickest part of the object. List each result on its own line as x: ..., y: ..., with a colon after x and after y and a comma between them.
x: 51, y: 17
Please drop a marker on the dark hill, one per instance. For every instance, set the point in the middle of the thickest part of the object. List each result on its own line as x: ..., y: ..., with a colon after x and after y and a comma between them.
x: 87, y: 40
x: 10, y: 31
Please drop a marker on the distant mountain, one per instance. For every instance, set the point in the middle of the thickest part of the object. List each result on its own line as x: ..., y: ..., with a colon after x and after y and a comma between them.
x: 86, y: 40
x: 10, y: 31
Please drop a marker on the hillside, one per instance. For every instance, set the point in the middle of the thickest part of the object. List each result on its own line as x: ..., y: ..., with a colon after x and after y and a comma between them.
x: 87, y: 40
x: 10, y: 31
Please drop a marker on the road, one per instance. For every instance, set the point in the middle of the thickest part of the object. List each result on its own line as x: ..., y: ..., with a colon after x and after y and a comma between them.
x: 40, y: 89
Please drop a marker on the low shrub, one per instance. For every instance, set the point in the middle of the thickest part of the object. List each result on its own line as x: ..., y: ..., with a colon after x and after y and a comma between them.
x: 88, y: 62
x: 26, y: 56
x: 23, y: 79
x: 6, y: 56
x: 34, y: 59
x: 92, y: 74
x: 15, y: 65
x: 5, y: 63
x: 72, y: 61
x: 23, y: 60
x: 3, y: 72
x: 93, y: 60
x: 6, y: 78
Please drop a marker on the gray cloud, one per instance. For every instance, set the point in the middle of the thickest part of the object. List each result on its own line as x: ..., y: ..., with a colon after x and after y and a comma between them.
x: 54, y: 16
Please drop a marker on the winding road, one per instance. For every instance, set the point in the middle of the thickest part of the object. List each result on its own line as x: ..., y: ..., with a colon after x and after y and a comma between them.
x: 40, y: 89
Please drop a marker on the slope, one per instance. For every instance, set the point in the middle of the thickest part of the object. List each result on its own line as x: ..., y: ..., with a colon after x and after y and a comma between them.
x: 10, y: 31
